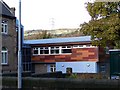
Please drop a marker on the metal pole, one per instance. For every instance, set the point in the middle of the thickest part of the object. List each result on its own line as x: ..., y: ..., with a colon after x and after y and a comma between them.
x: 19, y: 50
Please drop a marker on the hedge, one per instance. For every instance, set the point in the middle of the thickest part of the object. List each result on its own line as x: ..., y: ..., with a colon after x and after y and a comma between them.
x: 61, y: 83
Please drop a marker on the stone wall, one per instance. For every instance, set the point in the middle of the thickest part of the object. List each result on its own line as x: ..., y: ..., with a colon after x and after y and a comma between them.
x: 9, y: 41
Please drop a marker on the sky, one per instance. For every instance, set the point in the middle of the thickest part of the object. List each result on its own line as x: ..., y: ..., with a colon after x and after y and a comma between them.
x: 51, y: 14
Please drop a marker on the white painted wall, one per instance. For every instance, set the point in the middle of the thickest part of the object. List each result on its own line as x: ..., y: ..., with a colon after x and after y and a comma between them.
x: 77, y: 67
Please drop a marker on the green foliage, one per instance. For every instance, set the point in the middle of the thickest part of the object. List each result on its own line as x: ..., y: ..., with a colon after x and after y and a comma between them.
x: 73, y: 75
x: 104, y: 26
x: 102, y: 9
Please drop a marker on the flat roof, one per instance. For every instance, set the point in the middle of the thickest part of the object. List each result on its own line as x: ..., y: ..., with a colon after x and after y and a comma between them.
x: 59, y: 40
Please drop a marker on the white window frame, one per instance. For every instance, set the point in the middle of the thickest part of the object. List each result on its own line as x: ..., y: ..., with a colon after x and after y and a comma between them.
x: 5, y: 58
x: 66, y: 47
x: 52, y: 68
x: 83, y: 46
x: 4, y: 27
x: 54, y: 48
x: 36, y: 49
x: 59, y: 48
x: 43, y: 48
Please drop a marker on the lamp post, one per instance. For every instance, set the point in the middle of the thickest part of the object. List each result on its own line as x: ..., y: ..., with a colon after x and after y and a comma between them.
x: 19, y: 51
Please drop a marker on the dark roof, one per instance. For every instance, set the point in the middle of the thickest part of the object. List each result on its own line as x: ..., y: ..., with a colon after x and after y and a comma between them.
x: 5, y: 9
x: 59, y: 40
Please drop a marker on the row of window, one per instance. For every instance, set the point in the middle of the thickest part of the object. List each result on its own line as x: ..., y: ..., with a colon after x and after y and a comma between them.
x: 56, y: 49
x: 51, y: 50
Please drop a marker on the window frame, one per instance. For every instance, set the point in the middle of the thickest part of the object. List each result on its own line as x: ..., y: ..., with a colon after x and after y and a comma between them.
x: 5, y: 55
x: 4, y: 25
x: 53, y: 68
x: 66, y: 48
x: 34, y: 50
x: 55, y: 49
x: 52, y: 50
x: 44, y: 49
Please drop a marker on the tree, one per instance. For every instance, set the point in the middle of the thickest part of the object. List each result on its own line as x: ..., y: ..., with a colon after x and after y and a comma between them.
x: 46, y: 35
x: 104, y: 26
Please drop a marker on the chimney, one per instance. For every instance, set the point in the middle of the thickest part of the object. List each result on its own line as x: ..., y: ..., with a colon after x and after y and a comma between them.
x: 13, y: 10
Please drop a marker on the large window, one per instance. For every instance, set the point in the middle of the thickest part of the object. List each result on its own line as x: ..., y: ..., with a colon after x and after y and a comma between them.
x: 4, y: 27
x: 44, y: 50
x: 55, y: 50
x: 52, y: 50
x: 4, y: 55
x: 66, y: 49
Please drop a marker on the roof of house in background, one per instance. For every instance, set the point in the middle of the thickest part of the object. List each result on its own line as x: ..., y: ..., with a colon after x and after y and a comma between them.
x: 59, y: 40
x: 5, y: 9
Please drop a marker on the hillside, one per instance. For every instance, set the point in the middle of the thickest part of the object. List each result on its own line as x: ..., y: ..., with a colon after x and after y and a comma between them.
x: 63, y: 32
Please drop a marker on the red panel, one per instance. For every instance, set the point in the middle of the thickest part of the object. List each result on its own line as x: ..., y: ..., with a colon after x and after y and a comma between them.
x: 78, y: 54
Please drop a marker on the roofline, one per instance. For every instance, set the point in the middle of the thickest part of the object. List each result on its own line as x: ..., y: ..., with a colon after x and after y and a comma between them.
x: 28, y: 41
x: 59, y: 44
x: 8, y: 8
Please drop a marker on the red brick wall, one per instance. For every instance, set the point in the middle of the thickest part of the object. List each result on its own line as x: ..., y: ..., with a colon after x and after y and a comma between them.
x: 78, y: 54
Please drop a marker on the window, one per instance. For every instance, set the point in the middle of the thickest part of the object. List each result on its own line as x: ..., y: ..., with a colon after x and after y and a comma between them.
x: 44, y: 50
x: 69, y: 70
x: 78, y: 46
x: 4, y: 55
x: 103, y: 68
x: 54, y: 50
x: 66, y: 49
x: 52, y: 68
x: 35, y: 51
x: 4, y: 27
x: 107, y: 50
x: 26, y: 66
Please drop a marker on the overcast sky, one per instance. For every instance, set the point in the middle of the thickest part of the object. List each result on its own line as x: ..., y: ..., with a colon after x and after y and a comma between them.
x: 51, y: 14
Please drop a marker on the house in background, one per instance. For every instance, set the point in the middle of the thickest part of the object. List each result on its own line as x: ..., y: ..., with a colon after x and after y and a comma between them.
x: 8, y: 41
x: 72, y: 54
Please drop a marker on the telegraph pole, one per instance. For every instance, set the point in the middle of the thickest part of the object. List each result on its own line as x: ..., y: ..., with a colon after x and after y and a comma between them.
x: 19, y: 51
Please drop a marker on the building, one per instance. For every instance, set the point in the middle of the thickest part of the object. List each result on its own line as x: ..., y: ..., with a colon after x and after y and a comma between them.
x: 72, y: 54
x: 8, y: 38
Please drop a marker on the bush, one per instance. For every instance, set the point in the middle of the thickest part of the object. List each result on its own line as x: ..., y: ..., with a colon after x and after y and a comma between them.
x: 73, y: 75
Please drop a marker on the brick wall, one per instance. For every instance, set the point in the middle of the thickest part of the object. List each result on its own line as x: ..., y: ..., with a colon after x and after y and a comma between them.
x: 78, y: 54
